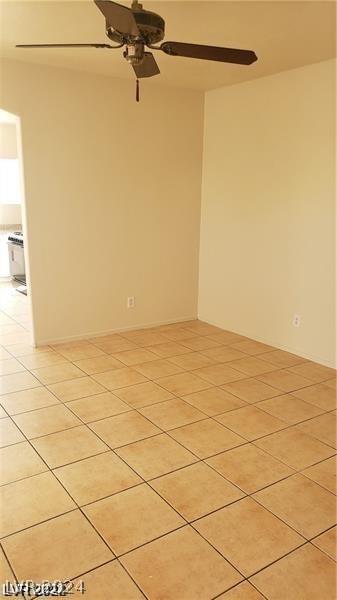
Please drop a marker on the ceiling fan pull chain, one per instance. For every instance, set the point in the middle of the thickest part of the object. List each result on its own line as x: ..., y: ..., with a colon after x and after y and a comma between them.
x: 137, y: 90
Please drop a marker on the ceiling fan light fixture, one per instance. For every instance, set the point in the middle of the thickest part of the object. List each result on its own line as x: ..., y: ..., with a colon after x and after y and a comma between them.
x: 134, y: 53
x: 136, y: 28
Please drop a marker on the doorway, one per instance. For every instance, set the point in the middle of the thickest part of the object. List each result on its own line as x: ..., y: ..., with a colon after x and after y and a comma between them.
x: 15, y: 298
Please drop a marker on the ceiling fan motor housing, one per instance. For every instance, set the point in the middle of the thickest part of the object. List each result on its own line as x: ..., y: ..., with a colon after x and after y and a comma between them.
x: 150, y: 25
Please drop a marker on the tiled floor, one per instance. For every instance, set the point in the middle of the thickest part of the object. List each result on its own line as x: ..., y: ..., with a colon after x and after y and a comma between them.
x: 177, y: 463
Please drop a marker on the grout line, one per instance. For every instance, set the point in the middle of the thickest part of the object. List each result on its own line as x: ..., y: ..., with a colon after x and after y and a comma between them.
x: 167, y: 433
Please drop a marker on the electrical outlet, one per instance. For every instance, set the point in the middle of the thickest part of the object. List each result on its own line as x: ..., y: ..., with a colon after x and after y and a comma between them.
x: 296, y: 320
x: 130, y: 302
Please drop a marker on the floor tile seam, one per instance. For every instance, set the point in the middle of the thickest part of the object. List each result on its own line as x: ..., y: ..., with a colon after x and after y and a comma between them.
x: 288, y: 425
x: 143, y: 480
x: 237, y: 585
x: 119, y: 457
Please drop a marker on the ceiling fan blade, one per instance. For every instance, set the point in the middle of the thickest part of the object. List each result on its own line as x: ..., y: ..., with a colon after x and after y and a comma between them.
x: 118, y: 17
x: 65, y: 46
x: 147, y: 68
x: 230, y: 55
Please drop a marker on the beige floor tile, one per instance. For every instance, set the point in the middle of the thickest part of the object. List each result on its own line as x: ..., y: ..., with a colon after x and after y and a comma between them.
x: 219, y: 374
x: 114, y: 343
x: 283, y: 359
x: 250, y: 422
x: 119, y: 378
x: 322, y: 428
x: 249, y: 468
x: 284, y: 380
x: 71, y: 345
x: 98, y: 364
x: 198, y: 344
x: 214, y: 401
x: 68, y: 446
x: 61, y: 372
x: 314, y: 372
x: 98, y: 407
x: 19, y: 461
x: 4, y: 355
x: 251, y: 390
x: 172, y: 413
x: 176, y: 335
x: 223, y: 354
x: 156, y: 456
x: 227, y: 338
x: 17, y: 382
x: 252, y: 366
x: 324, y: 473
x: 84, y: 549
x: 243, y: 591
x: 305, y: 506
x: 169, y: 349
x: 10, y: 365
x: 79, y: 352
x: 295, y: 448
x: 306, y: 573
x: 253, y: 348
x: 327, y: 542
x: 13, y: 328
x: 185, y: 490
x: 289, y: 409
x: 75, y: 389
x: 42, y: 359
x: 124, y: 429
x: 180, y: 565
x: 177, y: 325
x: 15, y: 338
x: 9, y: 433
x: 6, y: 573
x: 3, y: 413
x: 183, y: 383
x: 132, y: 518
x: 158, y: 368
x: 95, y: 478
x: 236, y: 529
x: 202, y: 328
x: 320, y: 395
x: 135, y: 357
x: 332, y: 383
x: 143, y: 394
x: 46, y: 420
x: 144, y: 338
x: 206, y: 438
x: 31, y: 501
x: 19, y: 402
x: 191, y: 361
x: 110, y: 581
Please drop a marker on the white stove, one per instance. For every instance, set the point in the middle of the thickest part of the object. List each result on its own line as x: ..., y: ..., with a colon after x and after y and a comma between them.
x: 16, y: 238
x: 16, y: 256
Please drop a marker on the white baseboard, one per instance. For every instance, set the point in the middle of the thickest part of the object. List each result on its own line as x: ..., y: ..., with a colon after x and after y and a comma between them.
x: 314, y: 358
x: 92, y: 334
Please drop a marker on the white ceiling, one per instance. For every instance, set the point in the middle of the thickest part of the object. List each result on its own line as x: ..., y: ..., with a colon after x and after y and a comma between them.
x: 283, y: 34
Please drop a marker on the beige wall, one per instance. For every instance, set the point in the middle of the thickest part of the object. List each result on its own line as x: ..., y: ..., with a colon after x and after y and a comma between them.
x: 112, y: 198
x: 268, y: 222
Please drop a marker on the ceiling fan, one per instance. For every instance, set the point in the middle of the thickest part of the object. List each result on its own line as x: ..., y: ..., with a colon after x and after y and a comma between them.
x: 136, y: 28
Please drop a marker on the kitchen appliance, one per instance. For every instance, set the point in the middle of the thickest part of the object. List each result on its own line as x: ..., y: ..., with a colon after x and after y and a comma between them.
x: 16, y: 254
